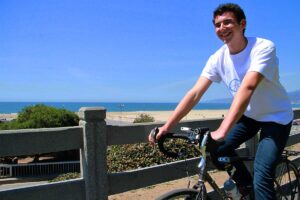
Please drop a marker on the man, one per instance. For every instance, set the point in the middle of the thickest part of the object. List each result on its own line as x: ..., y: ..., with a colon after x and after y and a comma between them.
x: 249, y: 68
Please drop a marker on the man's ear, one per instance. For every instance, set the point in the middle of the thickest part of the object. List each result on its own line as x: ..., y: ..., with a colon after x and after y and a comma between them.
x: 243, y: 23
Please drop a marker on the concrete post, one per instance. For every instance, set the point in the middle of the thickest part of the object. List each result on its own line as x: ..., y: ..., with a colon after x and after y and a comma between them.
x: 93, y: 154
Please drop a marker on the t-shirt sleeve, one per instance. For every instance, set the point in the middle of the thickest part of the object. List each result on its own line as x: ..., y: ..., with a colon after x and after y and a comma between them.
x: 210, y: 70
x: 265, y: 62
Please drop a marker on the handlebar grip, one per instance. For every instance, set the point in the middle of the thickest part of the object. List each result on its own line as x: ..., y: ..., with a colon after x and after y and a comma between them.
x: 153, y: 133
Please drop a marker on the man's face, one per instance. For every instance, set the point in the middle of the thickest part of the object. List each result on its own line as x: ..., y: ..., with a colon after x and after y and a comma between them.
x: 228, y: 29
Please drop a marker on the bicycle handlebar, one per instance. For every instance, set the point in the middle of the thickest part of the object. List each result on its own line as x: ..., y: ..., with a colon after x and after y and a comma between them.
x: 162, y: 140
x: 193, y: 136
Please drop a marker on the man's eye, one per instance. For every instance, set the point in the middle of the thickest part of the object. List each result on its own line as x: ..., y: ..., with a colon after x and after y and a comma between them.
x: 217, y: 25
x: 227, y: 22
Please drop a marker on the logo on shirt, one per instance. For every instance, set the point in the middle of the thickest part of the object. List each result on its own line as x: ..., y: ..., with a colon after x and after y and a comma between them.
x: 234, y: 85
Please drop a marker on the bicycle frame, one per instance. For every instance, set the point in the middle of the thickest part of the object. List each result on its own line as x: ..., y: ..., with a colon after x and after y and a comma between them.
x: 203, y: 175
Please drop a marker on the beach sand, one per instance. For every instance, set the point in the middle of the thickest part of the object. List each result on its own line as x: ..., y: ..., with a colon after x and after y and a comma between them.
x: 162, y: 116
x: 159, y: 116
x: 8, y: 117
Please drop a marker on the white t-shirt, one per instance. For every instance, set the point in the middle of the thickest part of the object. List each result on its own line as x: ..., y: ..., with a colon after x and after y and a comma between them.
x: 269, y: 102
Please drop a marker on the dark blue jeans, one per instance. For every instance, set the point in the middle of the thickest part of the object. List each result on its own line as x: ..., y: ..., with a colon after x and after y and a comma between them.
x: 273, y: 138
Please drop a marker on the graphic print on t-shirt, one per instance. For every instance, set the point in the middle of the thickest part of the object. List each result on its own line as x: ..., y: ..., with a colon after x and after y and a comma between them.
x: 234, y: 85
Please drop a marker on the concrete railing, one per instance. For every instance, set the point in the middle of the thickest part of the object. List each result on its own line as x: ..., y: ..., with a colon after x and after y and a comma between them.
x: 92, y: 137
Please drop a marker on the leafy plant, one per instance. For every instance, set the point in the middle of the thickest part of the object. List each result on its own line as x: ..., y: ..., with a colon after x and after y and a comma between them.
x: 42, y: 116
x: 143, y: 118
x: 133, y: 156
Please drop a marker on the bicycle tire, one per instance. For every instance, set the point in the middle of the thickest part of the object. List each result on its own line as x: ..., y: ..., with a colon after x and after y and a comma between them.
x: 185, y: 194
x: 287, y: 185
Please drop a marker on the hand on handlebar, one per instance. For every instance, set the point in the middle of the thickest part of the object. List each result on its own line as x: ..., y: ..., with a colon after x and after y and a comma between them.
x: 159, y: 132
x: 217, y: 135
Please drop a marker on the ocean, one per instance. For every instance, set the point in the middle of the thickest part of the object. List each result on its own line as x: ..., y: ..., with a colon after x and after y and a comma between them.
x: 15, y: 107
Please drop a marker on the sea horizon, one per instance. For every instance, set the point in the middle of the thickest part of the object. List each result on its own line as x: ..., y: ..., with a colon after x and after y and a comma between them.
x: 15, y: 107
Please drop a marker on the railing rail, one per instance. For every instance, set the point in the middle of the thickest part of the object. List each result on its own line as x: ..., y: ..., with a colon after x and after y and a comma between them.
x: 43, y: 140
x: 92, y: 137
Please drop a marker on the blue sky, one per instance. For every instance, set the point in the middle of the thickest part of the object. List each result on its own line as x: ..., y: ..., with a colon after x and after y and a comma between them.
x: 127, y: 50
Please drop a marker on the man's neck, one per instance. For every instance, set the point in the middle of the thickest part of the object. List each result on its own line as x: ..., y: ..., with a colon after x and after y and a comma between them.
x: 236, y: 47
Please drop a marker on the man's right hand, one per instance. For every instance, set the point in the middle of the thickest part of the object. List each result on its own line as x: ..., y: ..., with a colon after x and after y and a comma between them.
x: 161, y: 131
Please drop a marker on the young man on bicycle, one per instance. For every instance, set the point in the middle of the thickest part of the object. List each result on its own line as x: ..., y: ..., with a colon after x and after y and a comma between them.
x: 249, y: 68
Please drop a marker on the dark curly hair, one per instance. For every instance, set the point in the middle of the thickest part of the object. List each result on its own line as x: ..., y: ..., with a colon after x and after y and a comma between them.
x: 230, y: 7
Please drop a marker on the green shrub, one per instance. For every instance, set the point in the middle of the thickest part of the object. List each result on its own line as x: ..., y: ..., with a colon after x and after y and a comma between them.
x: 42, y: 116
x: 9, y: 125
x: 143, y: 118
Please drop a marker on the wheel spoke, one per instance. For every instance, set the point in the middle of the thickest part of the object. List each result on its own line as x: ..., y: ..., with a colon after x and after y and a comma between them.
x: 286, y: 181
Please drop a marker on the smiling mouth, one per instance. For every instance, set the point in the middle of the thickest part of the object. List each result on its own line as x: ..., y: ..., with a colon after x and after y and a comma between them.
x: 225, y: 36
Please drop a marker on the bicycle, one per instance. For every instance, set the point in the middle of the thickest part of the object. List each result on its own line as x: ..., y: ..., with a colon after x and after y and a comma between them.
x: 286, y: 181
x: 287, y: 177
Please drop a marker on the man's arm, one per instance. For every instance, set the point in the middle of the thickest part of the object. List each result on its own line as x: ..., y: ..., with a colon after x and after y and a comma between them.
x: 239, y: 104
x: 191, y: 98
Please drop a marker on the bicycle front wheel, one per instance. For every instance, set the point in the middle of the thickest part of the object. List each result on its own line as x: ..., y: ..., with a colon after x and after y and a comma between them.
x: 185, y: 194
x: 287, y: 181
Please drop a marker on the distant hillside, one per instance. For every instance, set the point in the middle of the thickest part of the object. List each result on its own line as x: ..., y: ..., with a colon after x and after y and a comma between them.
x: 224, y: 100
x: 294, y: 97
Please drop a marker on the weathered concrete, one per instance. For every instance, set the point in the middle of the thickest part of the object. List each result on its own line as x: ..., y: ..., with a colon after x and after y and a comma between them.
x: 93, y: 154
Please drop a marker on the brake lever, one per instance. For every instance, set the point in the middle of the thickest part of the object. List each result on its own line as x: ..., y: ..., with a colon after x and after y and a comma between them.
x: 186, y: 129
x: 192, y: 134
